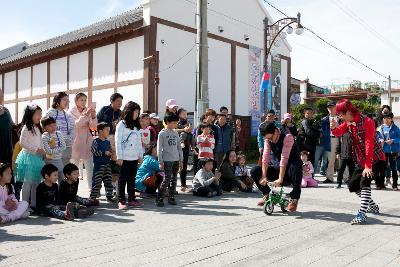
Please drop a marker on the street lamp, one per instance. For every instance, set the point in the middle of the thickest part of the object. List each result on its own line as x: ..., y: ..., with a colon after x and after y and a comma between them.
x: 274, y: 33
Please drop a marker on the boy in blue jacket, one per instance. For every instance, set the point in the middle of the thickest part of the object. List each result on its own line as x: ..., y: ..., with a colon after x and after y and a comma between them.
x: 149, y: 175
x: 389, y: 136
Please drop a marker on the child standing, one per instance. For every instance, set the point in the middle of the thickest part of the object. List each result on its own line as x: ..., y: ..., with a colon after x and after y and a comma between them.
x: 344, y: 153
x: 101, y: 149
x: 47, y: 196
x: 243, y: 174
x: 308, y: 170
x: 129, y: 149
x: 144, y: 131
x: 68, y: 188
x: 170, y: 157
x: 153, y: 127
x: 10, y: 208
x: 54, y: 144
x: 205, y: 142
x: 187, y: 143
x: 30, y: 160
x: 389, y: 137
x: 205, y: 183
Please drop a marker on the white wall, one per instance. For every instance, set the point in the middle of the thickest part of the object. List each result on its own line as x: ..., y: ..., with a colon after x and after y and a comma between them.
x: 21, y: 108
x: 103, y: 64
x: 248, y: 18
x: 130, y: 59
x: 39, y: 86
x: 42, y: 103
x: 9, y: 85
x: 242, y: 81
x: 78, y: 70
x: 102, y: 97
x: 179, y: 81
x: 58, y: 75
x: 219, y: 69
x: 132, y: 93
x: 24, y: 82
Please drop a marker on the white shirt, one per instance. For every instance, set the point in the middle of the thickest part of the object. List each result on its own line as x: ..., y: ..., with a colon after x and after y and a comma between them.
x: 335, y: 118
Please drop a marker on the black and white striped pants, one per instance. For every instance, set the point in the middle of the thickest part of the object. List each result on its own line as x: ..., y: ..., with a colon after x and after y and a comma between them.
x: 102, y: 173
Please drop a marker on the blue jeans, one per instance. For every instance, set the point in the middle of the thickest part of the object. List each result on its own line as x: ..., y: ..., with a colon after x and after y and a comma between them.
x: 320, y: 155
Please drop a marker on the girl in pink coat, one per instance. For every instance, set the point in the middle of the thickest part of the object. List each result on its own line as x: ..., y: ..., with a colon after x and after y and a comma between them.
x: 85, y: 118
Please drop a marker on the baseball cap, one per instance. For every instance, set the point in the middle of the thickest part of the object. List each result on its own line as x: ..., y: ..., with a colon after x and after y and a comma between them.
x: 154, y: 116
x: 171, y: 103
x: 287, y: 116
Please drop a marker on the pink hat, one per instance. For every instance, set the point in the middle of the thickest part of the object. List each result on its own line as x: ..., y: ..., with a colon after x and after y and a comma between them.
x: 171, y: 103
x: 287, y: 116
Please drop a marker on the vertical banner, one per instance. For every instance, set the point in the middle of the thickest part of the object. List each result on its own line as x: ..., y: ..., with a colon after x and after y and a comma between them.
x: 276, y: 86
x: 254, y: 88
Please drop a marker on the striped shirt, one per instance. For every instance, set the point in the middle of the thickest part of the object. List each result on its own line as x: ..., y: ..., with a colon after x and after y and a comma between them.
x: 206, y: 144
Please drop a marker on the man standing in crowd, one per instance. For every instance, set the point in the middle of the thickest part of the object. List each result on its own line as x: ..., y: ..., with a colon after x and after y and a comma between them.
x: 309, y: 133
x: 330, y: 141
x: 111, y: 115
x: 223, y: 139
x: 270, y: 117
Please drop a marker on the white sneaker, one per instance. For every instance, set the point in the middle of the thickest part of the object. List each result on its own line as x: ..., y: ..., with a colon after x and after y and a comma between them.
x: 388, y: 182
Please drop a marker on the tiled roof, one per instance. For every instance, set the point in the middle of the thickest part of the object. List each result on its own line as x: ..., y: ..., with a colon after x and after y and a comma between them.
x: 12, y: 50
x: 119, y: 21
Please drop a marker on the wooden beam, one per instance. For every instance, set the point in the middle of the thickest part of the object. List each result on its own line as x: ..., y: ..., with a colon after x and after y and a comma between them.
x: 2, y: 89
x: 16, y: 94
x: 150, y: 39
x: 31, y: 81
x: 48, y: 84
x: 116, y: 66
x: 233, y: 79
x: 90, y: 75
x: 67, y: 73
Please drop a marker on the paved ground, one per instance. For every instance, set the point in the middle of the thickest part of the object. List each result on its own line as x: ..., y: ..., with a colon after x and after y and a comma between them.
x: 229, y: 230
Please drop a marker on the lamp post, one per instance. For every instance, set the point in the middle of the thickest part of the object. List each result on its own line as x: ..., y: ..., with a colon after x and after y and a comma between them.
x: 272, y: 37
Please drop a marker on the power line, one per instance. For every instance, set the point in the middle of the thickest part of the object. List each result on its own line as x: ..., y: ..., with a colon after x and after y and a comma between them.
x: 328, y: 43
x: 178, y: 60
x: 345, y: 9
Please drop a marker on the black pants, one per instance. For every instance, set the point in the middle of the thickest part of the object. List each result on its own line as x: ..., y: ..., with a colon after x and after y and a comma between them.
x: 229, y: 185
x: 18, y: 188
x: 343, y: 164
x: 205, y: 190
x: 358, y: 181
x: 294, y: 174
x: 127, y: 179
x: 171, y: 173
x: 196, y: 163
x: 391, y: 158
x: 183, y: 172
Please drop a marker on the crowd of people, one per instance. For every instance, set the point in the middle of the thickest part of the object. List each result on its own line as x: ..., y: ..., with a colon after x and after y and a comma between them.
x: 134, y: 154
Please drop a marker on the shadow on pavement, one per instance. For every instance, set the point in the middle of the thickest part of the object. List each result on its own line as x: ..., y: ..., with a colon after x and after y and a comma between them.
x: 340, y: 217
x: 4, y: 236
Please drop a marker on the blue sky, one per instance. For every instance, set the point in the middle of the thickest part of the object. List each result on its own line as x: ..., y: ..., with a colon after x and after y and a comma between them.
x: 335, y: 20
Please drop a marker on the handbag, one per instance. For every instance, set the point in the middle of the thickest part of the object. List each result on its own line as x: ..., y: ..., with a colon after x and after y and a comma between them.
x: 150, y: 181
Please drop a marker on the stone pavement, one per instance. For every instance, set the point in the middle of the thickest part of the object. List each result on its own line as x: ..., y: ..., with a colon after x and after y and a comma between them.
x: 227, y: 230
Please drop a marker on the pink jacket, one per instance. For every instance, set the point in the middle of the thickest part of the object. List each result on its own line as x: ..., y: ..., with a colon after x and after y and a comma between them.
x: 83, y: 138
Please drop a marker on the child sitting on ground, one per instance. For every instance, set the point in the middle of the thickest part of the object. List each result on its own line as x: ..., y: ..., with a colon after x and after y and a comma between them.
x: 10, y: 208
x: 68, y: 188
x: 101, y: 149
x: 149, y: 175
x: 308, y: 170
x: 205, y: 183
x: 47, y: 198
x: 243, y: 174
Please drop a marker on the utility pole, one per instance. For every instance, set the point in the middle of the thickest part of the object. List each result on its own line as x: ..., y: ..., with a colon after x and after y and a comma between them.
x: 390, y: 91
x: 202, y: 102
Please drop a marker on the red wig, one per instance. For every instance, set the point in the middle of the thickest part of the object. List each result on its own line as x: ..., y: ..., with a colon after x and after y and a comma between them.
x: 343, y: 106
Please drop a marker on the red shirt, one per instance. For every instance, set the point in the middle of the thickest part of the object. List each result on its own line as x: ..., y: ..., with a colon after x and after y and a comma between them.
x: 368, y: 149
